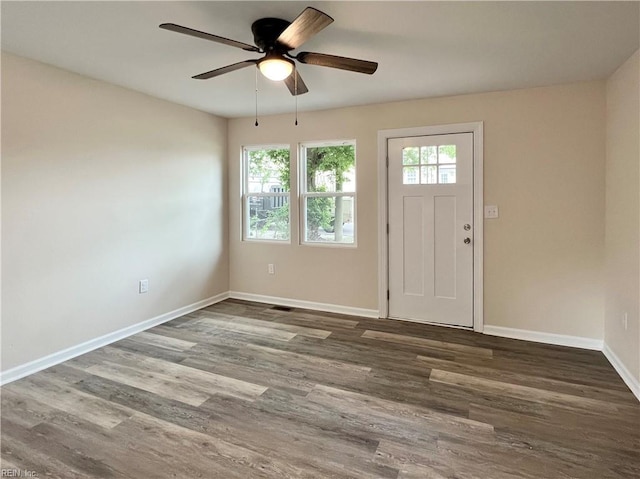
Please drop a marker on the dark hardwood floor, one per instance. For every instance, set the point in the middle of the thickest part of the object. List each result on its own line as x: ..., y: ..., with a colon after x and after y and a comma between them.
x: 243, y: 390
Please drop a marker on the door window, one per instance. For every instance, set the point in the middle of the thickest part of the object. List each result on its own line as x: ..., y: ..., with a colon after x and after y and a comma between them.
x: 429, y: 165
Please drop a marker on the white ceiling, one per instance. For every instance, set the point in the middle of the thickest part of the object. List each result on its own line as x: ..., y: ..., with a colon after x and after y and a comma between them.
x: 424, y: 49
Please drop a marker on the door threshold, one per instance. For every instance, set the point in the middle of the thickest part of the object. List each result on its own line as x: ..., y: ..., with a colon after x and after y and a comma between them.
x: 431, y: 323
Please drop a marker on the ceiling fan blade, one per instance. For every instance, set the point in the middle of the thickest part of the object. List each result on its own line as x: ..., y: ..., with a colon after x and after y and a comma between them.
x: 333, y: 61
x: 300, y: 88
x: 208, y: 36
x: 306, y: 25
x: 223, y: 70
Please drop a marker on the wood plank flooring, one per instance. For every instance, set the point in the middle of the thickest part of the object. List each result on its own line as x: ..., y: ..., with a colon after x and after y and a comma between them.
x: 243, y: 390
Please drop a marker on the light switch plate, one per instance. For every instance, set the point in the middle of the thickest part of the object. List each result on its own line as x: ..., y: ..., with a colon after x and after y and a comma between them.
x: 143, y: 286
x: 491, y: 211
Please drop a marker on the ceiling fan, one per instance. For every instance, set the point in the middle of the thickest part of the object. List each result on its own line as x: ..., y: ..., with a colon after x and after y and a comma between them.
x: 276, y: 38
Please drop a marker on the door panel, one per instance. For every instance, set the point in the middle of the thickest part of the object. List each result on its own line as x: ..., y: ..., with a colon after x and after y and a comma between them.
x: 444, y: 246
x: 413, y: 254
x: 430, y: 202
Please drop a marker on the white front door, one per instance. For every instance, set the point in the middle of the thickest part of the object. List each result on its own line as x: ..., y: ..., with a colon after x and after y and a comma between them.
x: 430, y: 194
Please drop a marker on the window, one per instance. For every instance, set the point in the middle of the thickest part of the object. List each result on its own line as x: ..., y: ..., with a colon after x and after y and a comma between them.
x: 266, y: 193
x: 328, y: 192
x: 429, y: 165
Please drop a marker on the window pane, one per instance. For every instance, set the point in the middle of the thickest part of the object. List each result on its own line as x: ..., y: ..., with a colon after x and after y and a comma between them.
x: 447, y: 154
x: 268, y: 171
x: 330, y: 219
x: 410, y: 175
x: 447, y: 174
x: 428, y: 175
x: 268, y: 217
x: 429, y: 155
x: 410, y: 155
x: 331, y: 168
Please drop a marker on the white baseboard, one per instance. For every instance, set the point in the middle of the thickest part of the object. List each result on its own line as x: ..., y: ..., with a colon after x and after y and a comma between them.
x: 296, y: 303
x: 32, y: 367
x: 632, y: 382
x: 58, y: 357
x: 547, y: 338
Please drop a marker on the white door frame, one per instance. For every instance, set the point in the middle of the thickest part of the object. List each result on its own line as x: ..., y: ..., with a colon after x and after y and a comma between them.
x: 478, y: 210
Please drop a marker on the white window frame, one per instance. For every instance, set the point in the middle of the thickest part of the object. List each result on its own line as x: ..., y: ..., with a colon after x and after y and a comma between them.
x: 246, y: 193
x: 304, y: 194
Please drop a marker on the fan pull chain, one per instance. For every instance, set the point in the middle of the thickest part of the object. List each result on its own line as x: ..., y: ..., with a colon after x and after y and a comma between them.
x: 256, y: 124
x: 295, y: 89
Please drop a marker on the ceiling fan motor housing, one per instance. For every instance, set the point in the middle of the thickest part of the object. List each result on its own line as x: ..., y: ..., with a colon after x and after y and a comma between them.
x: 266, y: 31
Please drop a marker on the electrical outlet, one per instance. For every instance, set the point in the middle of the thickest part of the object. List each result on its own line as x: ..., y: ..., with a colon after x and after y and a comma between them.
x: 625, y: 320
x: 143, y: 286
x: 271, y: 269
x: 491, y: 211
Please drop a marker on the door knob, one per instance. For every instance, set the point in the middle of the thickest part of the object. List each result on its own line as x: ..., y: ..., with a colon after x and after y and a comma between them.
x: 467, y: 240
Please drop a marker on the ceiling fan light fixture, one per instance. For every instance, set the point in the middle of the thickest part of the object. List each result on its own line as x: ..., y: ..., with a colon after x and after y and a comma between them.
x: 275, y: 67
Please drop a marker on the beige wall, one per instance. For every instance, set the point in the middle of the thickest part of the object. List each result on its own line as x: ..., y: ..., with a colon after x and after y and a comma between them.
x: 101, y: 187
x: 623, y: 214
x: 544, y: 167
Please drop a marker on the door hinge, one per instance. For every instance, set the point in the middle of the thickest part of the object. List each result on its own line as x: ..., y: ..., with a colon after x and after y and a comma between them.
x: 388, y: 295
x: 387, y: 161
x: 387, y: 228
